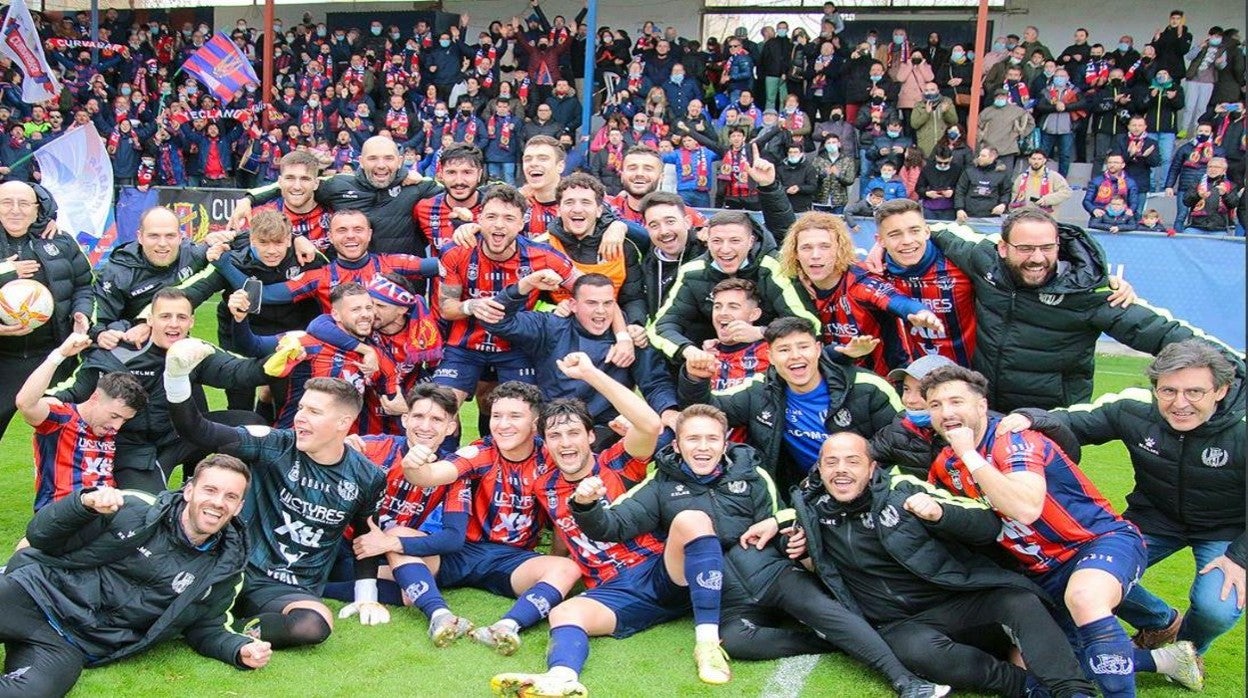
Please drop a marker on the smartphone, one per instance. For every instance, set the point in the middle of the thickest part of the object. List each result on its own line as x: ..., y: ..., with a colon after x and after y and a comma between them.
x: 254, y: 288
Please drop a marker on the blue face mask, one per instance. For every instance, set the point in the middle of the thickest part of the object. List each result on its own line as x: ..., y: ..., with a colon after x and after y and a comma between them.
x: 920, y: 418
x: 958, y: 56
x: 1059, y: 81
x: 899, y: 39
x: 678, y: 78
x: 876, y: 78
x: 953, y: 134
x: 998, y: 47
x: 1215, y: 41
x: 1123, y: 48
x: 999, y: 102
x: 444, y: 43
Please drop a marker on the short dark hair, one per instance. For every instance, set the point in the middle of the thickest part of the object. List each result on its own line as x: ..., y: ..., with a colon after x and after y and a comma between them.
x: 896, y: 207
x: 661, y: 198
x: 123, y: 386
x: 1027, y: 213
x: 565, y: 409
x: 170, y: 293
x: 519, y: 390
x: 952, y: 372
x: 341, y: 391
x: 341, y: 291
x: 224, y: 462
x: 643, y: 150
x: 346, y: 212
x: 463, y: 152
x: 592, y: 279
x: 439, y: 395
x: 507, y: 194
x: 732, y: 218
x: 789, y: 325
x: 581, y: 180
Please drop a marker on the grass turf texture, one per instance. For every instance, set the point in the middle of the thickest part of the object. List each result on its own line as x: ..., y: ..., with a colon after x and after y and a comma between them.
x: 398, y: 659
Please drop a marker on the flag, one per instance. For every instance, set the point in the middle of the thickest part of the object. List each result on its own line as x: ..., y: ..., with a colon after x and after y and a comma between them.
x: 131, y: 204
x: 22, y: 45
x: 221, y: 67
x: 78, y: 173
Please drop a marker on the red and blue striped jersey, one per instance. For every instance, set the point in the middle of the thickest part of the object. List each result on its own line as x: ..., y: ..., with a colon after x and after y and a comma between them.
x: 1074, y: 511
x: 313, y: 225
x: 853, y: 308
x: 504, y: 500
x: 68, y: 456
x: 948, y: 292
x: 317, y: 283
x: 402, y: 503
x: 478, y: 276
x: 619, y: 204
x: 433, y: 217
x: 540, y: 215
x: 599, y: 562
x: 323, y: 360
x: 737, y: 364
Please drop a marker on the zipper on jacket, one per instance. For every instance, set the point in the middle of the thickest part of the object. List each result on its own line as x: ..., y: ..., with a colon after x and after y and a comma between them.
x: 996, y: 360
x: 1182, y: 508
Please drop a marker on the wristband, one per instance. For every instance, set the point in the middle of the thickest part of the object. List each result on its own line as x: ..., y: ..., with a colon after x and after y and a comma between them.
x: 463, y: 308
x: 623, y: 337
x: 974, y: 462
x: 365, y: 591
x: 56, y: 358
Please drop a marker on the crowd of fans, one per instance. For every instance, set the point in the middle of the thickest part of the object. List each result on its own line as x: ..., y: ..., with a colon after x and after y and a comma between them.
x: 884, y: 114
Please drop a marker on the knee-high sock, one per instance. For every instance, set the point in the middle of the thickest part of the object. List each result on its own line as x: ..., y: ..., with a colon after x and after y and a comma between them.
x: 569, y: 648
x: 417, y: 582
x: 534, y: 605
x: 704, y: 570
x: 1109, y: 656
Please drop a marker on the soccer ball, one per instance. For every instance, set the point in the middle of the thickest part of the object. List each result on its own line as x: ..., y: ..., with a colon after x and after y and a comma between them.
x: 25, y: 302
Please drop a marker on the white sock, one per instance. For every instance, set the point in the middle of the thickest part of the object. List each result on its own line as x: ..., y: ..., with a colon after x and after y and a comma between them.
x: 706, y: 632
x: 438, y: 614
x: 510, y: 624
x: 562, y: 672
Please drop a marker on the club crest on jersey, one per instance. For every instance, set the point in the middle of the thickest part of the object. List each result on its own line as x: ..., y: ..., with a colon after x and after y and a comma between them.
x: 1215, y: 457
x: 1052, y: 298
x: 473, y: 272
x: 51, y: 249
x: 738, y: 486
x: 842, y: 418
x: 749, y: 363
x: 293, y: 473
x: 523, y: 271
x: 182, y: 581
x: 945, y: 283
x: 889, y: 516
x: 394, y: 191
x: 293, y: 273
x: 348, y: 490
x: 185, y: 273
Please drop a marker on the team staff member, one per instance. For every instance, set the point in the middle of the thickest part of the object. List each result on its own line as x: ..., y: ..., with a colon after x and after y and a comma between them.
x: 307, y: 488
x: 1040, y: 301
x: 147, y: 449
x: 863, y: 526
x: 1186, y: 440
x: 194, y: 549
x: 56, y: 262
x: 805, y: 396
x: 74, y: 444
x: 1057, y: 526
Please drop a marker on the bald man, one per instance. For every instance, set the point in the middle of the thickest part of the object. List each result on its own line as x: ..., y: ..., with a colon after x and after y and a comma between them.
x: 56, y: 262
x: 382, y: 188
x: 135, y: 271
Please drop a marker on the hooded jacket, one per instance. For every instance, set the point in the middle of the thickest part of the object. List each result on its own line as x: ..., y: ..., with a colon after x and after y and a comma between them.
x: 1037, y: 346
x: 80, y: 572
x: 743, y: 495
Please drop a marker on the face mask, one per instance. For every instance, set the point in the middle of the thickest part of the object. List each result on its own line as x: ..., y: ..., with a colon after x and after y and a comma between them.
x: 320, y: 31
x: 920, y: 418
x: 916, y: 60
x: 125, y: 91
x: 876, y: 78
x: 440, y: 113
x: 954, y: 134
x: 998, y: 47
x: 251, y: 88
x: 1000, y: 102
x: 894, y: 134
x: 943, y: 167
x: 899, y: 39
x: 837, y: 116
x: 395, y: 36
x: 782, y: 33
x: 444, y: 43
x: 1116, y: 210
x: 1116, y: 82
x: 376, y: 31
x: 1215, y: 41
x: 1202, y: 138
x: 832, y: 148
x: 1123, y: 48
x: 793, y: 159
x: 931, y: 96
x: 465, y: 113
x: 1059, y: 82
x: 958, y: 56
x: 678, y: 78
x: 277, y: 27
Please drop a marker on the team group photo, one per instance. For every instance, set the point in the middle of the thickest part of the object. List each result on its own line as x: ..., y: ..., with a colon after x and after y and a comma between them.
x: 498, y: 348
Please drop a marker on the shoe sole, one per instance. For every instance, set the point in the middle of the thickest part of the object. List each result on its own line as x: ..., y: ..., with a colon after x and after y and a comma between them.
x: 445, y: 637
x: 522, y: 687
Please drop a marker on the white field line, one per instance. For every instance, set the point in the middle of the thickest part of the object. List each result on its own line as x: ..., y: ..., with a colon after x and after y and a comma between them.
x: 790, y: 676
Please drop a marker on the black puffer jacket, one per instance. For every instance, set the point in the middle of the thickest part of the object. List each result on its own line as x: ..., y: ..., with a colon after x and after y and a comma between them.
x: 937, y: 552
x: 1188, y: 484
x: 741, y: 497
x: 127, y: 281
x: 1037, y: 345
x: 858, y: 401
x: 64, y: 269
x: 82, y: 570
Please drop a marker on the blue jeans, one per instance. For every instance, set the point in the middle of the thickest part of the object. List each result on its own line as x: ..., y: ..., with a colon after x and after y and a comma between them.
x: 1208, y: 616
x: 1165, y: 151
x: 1065, y: 143
x: 1180, y: 208
x: 695, y: 198
x: 502, y: 171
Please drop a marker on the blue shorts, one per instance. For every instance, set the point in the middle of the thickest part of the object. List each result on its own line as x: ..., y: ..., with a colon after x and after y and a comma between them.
x: 462, y: 369
x: 642, y: 597
x: 485, y: 566
x: 1121, y: 554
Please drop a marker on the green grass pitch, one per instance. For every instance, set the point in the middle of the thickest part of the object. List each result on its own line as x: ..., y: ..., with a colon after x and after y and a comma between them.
x: 398, y: 659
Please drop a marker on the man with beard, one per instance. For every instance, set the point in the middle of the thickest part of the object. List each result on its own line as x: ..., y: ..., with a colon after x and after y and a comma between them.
x: 381, y: 188
x: 1040, y: 302
x: 437, y: 216
x: 640, y: 175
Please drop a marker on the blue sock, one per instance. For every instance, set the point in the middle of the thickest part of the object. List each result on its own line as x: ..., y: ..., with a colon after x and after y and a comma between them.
x: 534, y: 605
x: 1144, y: 661
x: 389, y: 593
x: 1109, y: 656
x: 704, y: 570
x: 342, y: 591
x: 569, y: 647
x: 417, y: 582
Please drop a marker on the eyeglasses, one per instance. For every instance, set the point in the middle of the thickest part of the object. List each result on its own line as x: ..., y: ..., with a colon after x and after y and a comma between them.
x: 1029, y: 250
x: 1189, y: 394
x: 16, y: 203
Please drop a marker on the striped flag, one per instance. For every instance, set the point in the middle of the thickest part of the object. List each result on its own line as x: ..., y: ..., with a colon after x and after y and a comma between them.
x: 21, y: 44
x: 221, y: 66
x: 77, y: 171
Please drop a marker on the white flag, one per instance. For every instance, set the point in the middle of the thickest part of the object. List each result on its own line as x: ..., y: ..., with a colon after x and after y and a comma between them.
x: 77, y: 171
x: 22, y: 45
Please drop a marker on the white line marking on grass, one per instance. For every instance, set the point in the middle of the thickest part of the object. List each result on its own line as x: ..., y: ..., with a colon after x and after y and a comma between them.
x: 790, y: 676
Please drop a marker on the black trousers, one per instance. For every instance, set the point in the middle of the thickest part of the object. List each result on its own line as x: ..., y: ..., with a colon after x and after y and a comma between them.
x: 948, y: 644
x: 147, y: 467
x: 755, y: 631
x: 37, y: 660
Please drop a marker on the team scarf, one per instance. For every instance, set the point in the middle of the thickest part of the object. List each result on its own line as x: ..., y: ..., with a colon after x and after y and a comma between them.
x: 820, y: 81
x: 443, y: 126
x: 1019, y: 93
x: 351, y: 73
x: 426, y: 39
x: 557, y: 35
x: 615, y: 156
x: 313, y: 82
x: 1110, y: 187
x: 397, y: 121
x: 314, y: 116
x: 63, y: 44
x: 147, y: 171
x: 216, y: 114
x: 1220, y: 136
x: 634, y: 82
x: 413, y: 61
x: 343, y: 155
x: 486, y: 79
x: 165, y: 161
x: 395, y: 75
x: 795, y: 121
x: 1131, y: 71
x: 1135, y: 144
x: 691, y: 161
x: 500, y: 129
x: 738, y: 166
x: 1096, y: 70
x: 522, y: 90
x: 1201, y: 152
x: 114, y: 140
x: 1204, y: 189
x: 491, y: 54
x: 1020, y: 187
x: 1066, y: 95
x: 903, y: 55
x: 470, y: 128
